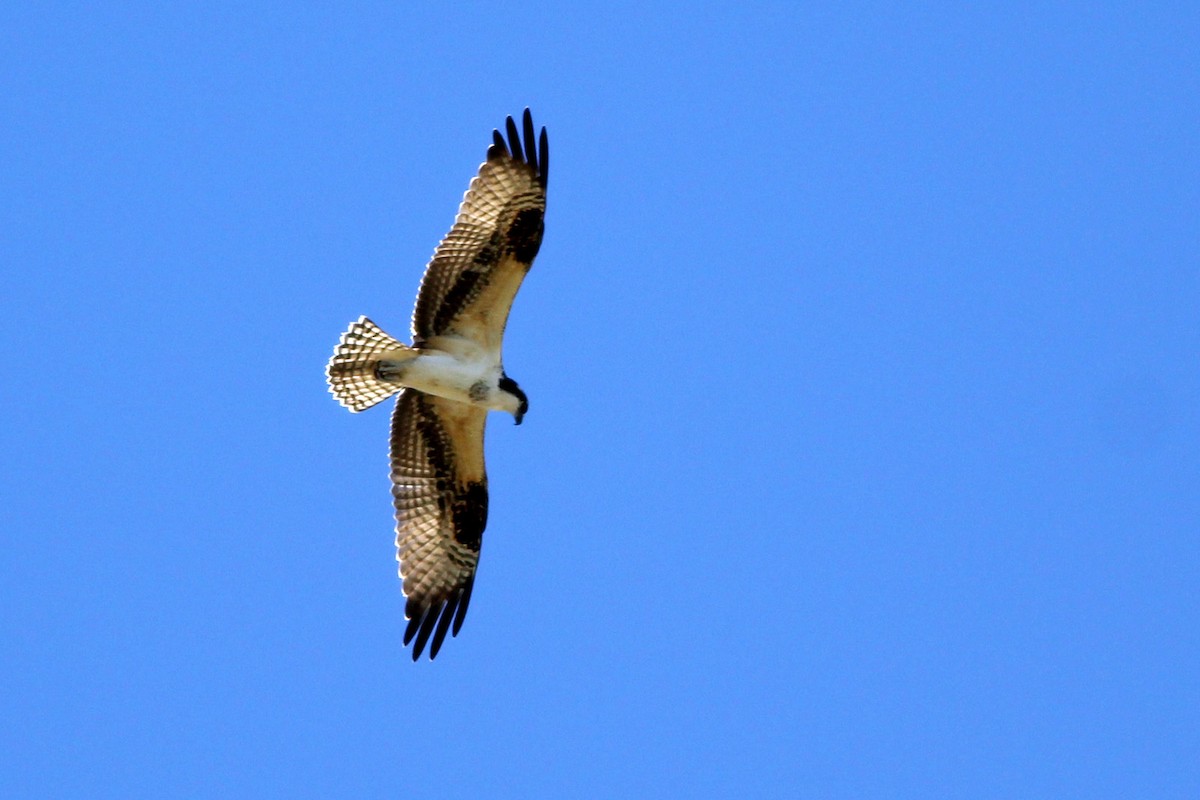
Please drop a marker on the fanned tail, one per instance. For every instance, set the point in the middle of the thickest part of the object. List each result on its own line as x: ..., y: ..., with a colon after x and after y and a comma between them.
x: 351, y: 373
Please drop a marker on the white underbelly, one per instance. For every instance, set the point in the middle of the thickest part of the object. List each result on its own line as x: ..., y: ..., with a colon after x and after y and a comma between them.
x: 446, y: 376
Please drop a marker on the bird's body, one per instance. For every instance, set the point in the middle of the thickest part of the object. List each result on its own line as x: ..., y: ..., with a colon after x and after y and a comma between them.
x: 455, y: 369
x: 449, y: 378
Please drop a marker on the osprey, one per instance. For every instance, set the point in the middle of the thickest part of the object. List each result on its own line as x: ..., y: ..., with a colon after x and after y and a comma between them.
x: 449, y: 378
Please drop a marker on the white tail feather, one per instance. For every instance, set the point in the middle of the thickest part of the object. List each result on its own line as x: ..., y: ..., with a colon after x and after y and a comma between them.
x: 352, y: 370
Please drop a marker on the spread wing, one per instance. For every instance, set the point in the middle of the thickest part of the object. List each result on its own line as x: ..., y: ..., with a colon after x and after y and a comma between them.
x: 440, y: 491
x: 469, y: 285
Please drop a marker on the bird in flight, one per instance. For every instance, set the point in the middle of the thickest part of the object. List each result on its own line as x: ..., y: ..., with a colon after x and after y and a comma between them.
x: 449, y: 378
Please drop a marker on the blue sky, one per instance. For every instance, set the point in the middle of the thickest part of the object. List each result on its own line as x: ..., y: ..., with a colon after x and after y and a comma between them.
x: 862, y: 456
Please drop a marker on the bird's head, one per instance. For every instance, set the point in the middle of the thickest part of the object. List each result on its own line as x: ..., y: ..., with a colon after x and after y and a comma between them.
x: 518, y: 402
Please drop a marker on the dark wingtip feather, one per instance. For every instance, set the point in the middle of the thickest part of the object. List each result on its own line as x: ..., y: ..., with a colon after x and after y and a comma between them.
x: 439, y: 635
x: 530, y: 151
x: 414, y: 622
x: 544, y: 158
x: 514, y: 140
x: 498, y: 144
x: 462, y: 606
x: 427, y: 624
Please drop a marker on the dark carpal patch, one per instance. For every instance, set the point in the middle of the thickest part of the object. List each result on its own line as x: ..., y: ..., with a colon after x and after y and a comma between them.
x: 470, y: 514
x: 525, y: 234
